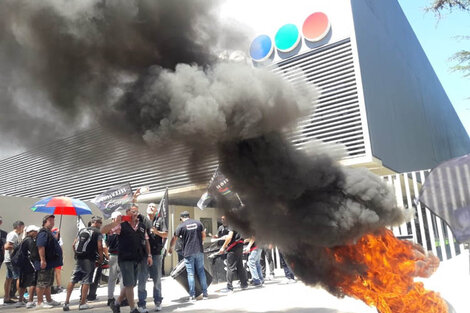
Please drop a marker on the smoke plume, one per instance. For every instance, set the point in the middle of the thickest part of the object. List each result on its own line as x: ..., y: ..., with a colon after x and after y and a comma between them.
x: 64, y: 63
x: 149, y: 68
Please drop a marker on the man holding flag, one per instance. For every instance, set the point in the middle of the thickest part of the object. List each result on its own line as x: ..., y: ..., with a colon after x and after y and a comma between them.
x: 156, y: 225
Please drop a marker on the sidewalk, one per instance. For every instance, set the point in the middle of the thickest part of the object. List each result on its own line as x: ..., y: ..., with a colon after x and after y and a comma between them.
x: 274, y: 296
x: 451, y: 280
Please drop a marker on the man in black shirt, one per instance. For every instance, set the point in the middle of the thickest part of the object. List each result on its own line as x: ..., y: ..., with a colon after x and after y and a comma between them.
x: 233, y: 245
x: 85, y: 264
x: 157, y: 231
x: 192, y: 234
x: 133, y: 247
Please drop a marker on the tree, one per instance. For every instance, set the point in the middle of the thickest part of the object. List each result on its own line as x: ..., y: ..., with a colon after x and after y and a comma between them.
x: 462, y: 57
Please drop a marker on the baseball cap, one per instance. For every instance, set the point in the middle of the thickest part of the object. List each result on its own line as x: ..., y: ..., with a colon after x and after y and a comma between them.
x: 32, y: 228
x: 151, y: 207
x: 116, y: 214
x: 46, y: 217
x: 184, y: 214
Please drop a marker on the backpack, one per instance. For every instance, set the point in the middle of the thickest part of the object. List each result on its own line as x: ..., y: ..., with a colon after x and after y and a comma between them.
x: 83, y: 245
x: 17, y: 258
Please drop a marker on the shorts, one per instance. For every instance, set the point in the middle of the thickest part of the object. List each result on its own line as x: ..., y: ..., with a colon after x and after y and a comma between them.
x: 83, y: 272
x: 12, y: 271
x: 45, y: 278
x: 128, y: 272
x: 28, y: 279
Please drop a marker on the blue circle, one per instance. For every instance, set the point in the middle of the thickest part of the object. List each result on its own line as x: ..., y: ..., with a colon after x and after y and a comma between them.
x: 287, y: 38
x: 261, y: 48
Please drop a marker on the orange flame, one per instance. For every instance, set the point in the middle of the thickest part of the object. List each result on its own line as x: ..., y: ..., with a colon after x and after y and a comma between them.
x: 387, y: 281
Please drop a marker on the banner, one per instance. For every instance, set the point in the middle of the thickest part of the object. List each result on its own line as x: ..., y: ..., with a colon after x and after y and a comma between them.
x: 115, y: 198
x: 446, y: 191
x: 163, y: 208
x: 163, y: 211
x: 219, y: 185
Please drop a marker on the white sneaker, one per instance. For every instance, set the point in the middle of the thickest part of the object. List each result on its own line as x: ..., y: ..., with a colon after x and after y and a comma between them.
x: 142, y: 309
x: 158, y: 307
x: 45, y: 305
x: 84, y: 306
x: 54, y: 303
x: 30, y: 305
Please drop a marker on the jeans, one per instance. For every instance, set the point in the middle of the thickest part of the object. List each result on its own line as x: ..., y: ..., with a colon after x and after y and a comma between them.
x: 255, y: 265
x: 269, y: 259
x: 114, y: 274
x: 155, y: 272
x: 287, y: 270
x: 195, y: 263
x: 143, y: 274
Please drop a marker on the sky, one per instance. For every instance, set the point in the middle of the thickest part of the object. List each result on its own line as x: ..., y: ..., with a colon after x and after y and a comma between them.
x: 436, y: 35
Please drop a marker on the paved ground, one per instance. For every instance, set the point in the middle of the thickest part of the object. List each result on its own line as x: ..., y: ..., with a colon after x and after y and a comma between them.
x: 275, y: 296
x: 451, y: 280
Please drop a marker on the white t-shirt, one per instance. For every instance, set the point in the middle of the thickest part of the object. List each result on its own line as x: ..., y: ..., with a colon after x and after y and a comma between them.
x: 14, y: 238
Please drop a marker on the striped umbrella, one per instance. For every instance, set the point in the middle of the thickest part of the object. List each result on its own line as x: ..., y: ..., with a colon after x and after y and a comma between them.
x: 61, y: 206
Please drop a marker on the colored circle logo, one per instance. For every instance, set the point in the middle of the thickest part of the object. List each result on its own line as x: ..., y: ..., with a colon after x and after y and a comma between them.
x: 316, y: 26
x: 287, y: 38
x: 261, y: 48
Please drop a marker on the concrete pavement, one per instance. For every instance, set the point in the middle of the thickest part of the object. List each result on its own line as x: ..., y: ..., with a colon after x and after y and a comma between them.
x: 274, y: 296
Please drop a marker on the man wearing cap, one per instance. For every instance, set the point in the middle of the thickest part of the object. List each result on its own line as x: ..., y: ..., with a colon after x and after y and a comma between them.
x: 85, y: 262
x: 12, y: 240
x: 157, y: 231
x: 50, y: 256
x: 192, y: 234
x: 133, y: 247
x: 28, y: 274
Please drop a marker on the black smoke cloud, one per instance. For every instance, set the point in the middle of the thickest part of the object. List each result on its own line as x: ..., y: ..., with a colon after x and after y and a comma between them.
x: 64, y: 63
x: 305, y: 202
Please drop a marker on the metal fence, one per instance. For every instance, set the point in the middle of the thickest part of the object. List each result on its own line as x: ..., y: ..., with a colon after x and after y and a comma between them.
x: 425, y: 228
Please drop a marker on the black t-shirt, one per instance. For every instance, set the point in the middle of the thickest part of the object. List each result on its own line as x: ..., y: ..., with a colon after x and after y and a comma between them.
x: 3, y: 239
x: 235, y: 238
x: 155, y: 241
x: 190, y: 233
x: 222, y: 231
x: 30, y: 250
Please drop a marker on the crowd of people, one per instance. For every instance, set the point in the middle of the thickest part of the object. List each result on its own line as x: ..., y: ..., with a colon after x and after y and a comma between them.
x: 133, y: 245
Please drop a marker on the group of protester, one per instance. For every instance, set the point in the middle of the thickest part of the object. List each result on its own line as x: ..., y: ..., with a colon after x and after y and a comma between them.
x: 31, y: 262
x: 134, y: 247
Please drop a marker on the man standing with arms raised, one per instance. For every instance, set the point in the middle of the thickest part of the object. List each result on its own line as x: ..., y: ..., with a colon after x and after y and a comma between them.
x: 192, y: 234
x: 133, y: 247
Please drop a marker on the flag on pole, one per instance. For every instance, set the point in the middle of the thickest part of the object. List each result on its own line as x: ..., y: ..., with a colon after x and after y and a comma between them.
x: 163, y: 207
x: 115, y: 198
x: 446, y: 191
x: 219, y: 185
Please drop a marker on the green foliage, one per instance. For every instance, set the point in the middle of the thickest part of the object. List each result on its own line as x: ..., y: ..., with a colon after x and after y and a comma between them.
x: 462, y: 58
x: 439, y: 5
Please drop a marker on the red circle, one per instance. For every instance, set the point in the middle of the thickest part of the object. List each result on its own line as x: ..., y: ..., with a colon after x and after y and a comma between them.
x: 316, y: 26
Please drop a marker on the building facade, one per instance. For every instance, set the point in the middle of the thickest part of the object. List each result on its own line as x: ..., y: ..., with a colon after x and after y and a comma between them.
x: 379, y: 96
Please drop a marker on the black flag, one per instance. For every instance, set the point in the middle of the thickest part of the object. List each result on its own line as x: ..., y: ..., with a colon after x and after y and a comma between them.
x: 115, y: 198
x: 219, y: 185
x: 446, y: 192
